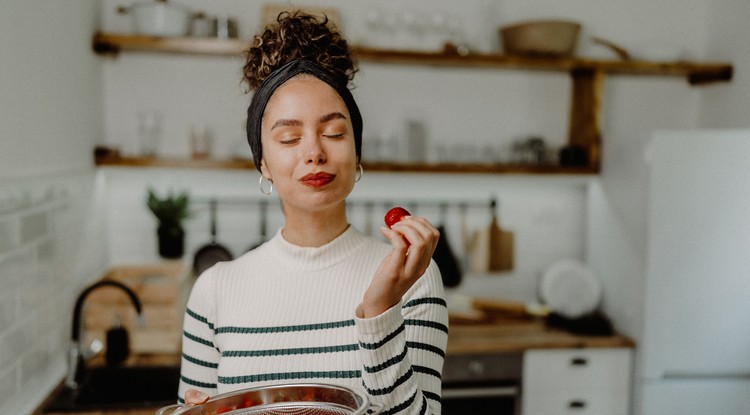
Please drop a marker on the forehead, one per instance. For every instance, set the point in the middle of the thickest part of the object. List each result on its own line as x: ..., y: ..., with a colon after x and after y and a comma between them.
x: 304, y: 94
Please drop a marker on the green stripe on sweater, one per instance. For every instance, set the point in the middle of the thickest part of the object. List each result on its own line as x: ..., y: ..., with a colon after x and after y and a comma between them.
x: 194, y: 382
x: 287, y: 352
x: 425, y: 346
x: 388, y: 390
x: 266, y: 377
x: 388, y: 363
x: 426, y: 300
x: 199, y: 317
x: 199, y: 362
x: 197, y: 339
x: 285, y: 329
x: 426, y: 323
x: 373, y: 346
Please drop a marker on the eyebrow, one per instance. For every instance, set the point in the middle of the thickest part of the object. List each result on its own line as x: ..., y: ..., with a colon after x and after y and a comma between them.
x: 285, y: 122
x: 331, y: 116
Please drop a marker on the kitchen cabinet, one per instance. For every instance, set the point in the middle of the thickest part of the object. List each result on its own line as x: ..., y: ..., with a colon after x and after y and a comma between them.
x: 583, y: 381
x: 587, y: 77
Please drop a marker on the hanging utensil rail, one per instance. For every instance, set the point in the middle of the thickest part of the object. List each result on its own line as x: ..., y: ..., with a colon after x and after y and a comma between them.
x: 415, y: 204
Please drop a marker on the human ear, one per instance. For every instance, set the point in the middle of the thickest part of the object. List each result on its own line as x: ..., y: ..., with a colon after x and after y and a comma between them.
x: 264, y: 170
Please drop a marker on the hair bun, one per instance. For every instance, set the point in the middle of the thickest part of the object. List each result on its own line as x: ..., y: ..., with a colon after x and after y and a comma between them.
x: 298, y: 35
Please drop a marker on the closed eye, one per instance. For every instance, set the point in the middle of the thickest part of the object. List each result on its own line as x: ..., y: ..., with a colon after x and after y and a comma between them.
x: 290, y: 140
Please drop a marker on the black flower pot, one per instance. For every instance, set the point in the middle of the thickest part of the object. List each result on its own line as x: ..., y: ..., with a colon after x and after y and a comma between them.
x: 171, y: 241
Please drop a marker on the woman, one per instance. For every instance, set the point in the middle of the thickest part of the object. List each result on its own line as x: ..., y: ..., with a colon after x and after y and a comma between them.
x: 319, y: 302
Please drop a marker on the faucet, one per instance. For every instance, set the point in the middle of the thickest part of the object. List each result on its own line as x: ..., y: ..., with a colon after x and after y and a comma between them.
x: 75, y: 358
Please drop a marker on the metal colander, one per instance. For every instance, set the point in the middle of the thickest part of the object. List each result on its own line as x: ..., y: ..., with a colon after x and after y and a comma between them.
x: 294, y: 399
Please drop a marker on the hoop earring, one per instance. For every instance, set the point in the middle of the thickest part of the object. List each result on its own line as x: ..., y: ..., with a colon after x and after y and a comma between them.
x: 358, y: 177
x: 262, y: 189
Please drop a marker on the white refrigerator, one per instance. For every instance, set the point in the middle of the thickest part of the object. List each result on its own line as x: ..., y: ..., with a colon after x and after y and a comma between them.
x: 695, y: 351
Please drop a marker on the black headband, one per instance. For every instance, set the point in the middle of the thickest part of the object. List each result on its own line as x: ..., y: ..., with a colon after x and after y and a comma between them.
x: 276, y: 79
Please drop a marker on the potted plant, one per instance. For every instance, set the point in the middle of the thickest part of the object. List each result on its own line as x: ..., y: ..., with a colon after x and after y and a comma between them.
x: 170, y: 211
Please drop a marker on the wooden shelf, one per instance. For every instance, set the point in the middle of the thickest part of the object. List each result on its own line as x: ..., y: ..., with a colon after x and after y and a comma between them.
x: 587, y: 76
x: 109, y: 43
x: 696, y: 73
x: 121, y: 161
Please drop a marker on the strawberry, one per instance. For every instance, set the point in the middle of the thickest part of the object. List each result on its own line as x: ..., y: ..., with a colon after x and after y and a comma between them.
x: 394, y: 215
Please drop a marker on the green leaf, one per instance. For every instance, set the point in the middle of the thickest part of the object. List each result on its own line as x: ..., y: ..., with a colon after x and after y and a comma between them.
x: 170, y: 210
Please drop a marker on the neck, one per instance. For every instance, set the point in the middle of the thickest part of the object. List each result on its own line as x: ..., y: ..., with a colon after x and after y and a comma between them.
x: 314, y: 229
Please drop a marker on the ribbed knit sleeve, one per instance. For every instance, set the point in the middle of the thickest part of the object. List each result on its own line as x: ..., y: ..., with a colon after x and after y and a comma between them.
x: 200, y: 356
x: 403, y: 349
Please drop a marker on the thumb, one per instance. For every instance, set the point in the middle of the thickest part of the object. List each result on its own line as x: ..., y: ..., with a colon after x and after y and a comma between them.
x: 195, y: 397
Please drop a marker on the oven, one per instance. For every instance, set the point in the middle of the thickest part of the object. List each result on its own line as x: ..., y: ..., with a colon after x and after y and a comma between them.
x: 482, y: 384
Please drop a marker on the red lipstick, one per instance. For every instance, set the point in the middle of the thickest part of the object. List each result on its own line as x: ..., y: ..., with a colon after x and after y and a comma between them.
x: 317, y: 179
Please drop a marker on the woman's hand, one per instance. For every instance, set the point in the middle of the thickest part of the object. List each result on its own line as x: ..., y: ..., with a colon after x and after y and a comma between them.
x: 195, y: 397
x: 414, y: 240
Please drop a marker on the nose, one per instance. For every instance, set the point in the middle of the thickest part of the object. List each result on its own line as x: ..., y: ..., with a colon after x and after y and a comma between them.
x: 315, y: 153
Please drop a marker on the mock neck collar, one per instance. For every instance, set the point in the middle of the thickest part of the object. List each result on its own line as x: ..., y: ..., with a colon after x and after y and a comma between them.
x: 300, y: 258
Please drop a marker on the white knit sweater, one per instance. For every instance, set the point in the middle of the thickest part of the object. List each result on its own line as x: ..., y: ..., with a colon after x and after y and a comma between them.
x: 285, y: 314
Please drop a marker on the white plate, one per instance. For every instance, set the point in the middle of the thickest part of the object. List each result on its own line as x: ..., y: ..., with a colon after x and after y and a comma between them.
x: 569, y: 288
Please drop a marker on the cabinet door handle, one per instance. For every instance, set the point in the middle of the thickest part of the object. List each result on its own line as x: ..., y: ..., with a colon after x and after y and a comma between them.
x: 579, y: 361
x: 577, y: 404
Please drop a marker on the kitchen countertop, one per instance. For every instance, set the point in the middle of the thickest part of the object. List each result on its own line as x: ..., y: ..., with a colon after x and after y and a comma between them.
x: 464, y: 339
x: 521, y: 335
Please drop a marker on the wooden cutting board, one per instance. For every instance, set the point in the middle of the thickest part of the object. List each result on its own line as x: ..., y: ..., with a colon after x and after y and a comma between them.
x: 491, y: 249
x: 501, y: 247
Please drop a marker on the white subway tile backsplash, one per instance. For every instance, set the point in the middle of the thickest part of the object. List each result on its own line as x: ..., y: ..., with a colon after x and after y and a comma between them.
x: 13, y: 343
x: 9, y: 307
x: 8, y: 234
x: 46, y: 258
x: 34, y: 294
x: 16, y: 267
x: 8, y: 383
x: 35, y: 361
x: 46, y: 251
x: 34, y: 226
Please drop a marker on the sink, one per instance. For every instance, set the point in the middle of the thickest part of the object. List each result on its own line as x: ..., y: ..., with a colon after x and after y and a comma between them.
x: 119, y: 388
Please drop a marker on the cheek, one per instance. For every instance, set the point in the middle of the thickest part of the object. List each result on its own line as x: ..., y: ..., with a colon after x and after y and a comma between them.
x: 273, y: 161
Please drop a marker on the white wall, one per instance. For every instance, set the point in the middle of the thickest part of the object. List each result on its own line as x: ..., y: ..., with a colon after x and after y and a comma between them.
x: 51, y: 87
x: 50, y: 244
x: 726, y: 105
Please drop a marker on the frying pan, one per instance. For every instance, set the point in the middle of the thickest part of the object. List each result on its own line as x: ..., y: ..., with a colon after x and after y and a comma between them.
x: 213, y: 252
x: 444, y: 256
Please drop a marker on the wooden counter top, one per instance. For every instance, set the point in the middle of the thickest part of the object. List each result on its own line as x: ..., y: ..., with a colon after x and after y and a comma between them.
x: 516, y: 337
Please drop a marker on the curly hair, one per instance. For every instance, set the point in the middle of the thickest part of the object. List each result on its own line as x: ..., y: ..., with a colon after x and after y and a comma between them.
x: 298, y: 35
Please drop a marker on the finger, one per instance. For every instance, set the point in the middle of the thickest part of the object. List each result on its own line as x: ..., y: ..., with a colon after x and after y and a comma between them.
x: 419, y: 231
x: 397, y: 239
x: 414, y: 262
x: 195, y: 397
x: 423, y: 237
x: 428, y: 231
x: 416, y: 265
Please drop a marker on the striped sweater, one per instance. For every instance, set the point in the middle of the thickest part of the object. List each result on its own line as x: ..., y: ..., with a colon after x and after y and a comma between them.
x: 285, y: 314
